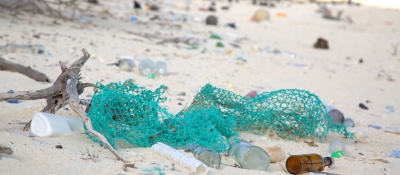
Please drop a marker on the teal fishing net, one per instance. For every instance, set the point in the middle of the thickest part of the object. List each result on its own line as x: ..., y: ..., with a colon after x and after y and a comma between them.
x: 126, y: 111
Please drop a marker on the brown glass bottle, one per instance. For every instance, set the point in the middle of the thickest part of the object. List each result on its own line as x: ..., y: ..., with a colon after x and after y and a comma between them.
x: 297, y: 164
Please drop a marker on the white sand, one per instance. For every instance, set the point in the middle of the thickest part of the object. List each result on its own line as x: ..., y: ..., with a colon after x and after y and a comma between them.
x: 334, y: 75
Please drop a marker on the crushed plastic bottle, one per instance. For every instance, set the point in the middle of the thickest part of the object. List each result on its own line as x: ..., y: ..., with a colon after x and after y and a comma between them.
x: 248, y: 156
x: 209, y: 157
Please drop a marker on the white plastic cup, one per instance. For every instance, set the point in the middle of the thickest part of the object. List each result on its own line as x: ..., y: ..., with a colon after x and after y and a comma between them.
x: 52, y: 125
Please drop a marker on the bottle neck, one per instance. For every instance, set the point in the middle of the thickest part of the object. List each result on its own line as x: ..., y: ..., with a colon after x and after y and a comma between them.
x: 328, y: 161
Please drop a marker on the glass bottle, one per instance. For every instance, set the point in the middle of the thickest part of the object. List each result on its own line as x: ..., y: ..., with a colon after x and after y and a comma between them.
x: 249, y: 156
x: 161, y: 67
x: 297, y: 164
x: 209, y: 157
x: 146, y: 67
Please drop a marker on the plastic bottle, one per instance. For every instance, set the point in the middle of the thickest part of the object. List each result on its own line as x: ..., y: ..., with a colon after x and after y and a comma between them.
x: 249, y: 156
x: 337, y: 148
x: 16, y: 48
x: 349, y: 122
x: 209, y: 157
x: 297, y: 164
x: 161, y: 68
x: 146, y: 67
x: 336, y: 115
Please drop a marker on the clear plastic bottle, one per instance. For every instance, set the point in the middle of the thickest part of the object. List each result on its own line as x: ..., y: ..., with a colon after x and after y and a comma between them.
x: 209, y: 157
x: 297, y: 164
x: 338, y: 147
x: 249, y: 156
x: 349, y: 122
x: 24, y: 48
x: 146, y: 67
x: 161, y: 68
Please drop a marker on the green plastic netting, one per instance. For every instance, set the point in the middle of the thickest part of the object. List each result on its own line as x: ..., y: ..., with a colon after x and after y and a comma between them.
x: 126, y: 111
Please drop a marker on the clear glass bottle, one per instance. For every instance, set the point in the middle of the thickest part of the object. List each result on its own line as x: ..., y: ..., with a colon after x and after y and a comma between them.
x: 146, y: 67
x: 161, y: 68
x: 249, y: 156
x: 209, y: 157
x: 297, y: 164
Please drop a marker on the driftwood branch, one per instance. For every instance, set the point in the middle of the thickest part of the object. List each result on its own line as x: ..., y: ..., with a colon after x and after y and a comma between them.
x: 73, y: 103
x: 13, y: 67
x: 66, y: 90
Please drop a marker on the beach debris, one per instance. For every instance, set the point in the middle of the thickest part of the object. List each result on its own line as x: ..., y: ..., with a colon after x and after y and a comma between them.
x: 338, y: 149
x: 209, y: 157
x: 260, y: 15
x: 28, y: 71
x: 276, y: 154
x: 387, y: 129
x: 294, y: 163
x: 349, y: 122
x: 23, y: 48
x: 212, y: 20
x: 90, y: 156
x: 212, y: 7
x: 395, y: 47
x: 225, y: 7
x: 321, y: 43
x: 385, y: 75
x: 362, y: 106
x: 248, y: 156
x: 215, y: 36
x: 129, y: 165
x: 310, y: 143
x: 161, y: 68
x: 181, y: 94
x: 125, y: 64
x: 146, y: 67
x: 189, y: 40
x: 327, y: 14
x: 10, y: 100
x: 336, y: 115
x: 219, y: 45
x: 66, y: 90
x: 381, y: 160
x: 240, y: 58
x: 395, y: 153
x: 231, y: 25
x: 251, y: 94
x: 390, y: 108
x: 136, y: 5
x: 281, y: 15
x: 6, y: 150
x: 177, y: 156
x: 59, y: 146
x: 53, y: 125
x: 361, y: 61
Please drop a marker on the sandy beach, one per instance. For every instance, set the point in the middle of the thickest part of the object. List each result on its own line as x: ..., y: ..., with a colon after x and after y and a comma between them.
x: 344, y: 75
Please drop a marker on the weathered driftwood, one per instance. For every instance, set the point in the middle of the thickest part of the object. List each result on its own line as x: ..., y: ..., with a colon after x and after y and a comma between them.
x: 66, y: 90
x: 14, y: 67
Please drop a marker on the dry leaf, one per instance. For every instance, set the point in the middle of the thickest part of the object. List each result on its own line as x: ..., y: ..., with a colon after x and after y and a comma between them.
x: 381, y: 160
x: 311, y: 143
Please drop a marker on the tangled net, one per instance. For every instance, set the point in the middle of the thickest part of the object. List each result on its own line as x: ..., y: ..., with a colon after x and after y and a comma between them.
x: 126, y: 111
